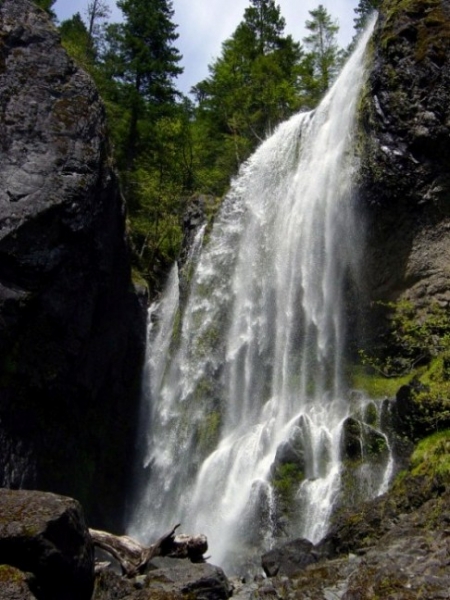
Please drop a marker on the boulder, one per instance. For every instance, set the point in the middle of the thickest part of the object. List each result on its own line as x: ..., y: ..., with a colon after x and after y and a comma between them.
x: 72, y: 326
x: 45, y: 535
x: 175, y: 579
x: 289, y: 559
x: 199, y: 581
x: 15, y: 585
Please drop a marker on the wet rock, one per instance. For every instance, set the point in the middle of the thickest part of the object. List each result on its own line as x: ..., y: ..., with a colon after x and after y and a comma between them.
x: 291, y: 451
x: 362, y: 442
x: 46, y: 535
x: 351, y: 442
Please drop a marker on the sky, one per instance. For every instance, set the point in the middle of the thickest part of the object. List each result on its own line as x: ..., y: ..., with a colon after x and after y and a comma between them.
x: 204, y: 24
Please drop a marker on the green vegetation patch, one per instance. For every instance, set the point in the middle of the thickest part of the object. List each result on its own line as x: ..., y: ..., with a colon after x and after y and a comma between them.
x: 432, y: 456
x: 209, y: 431
x: 374, y: 384
x: 286, y: 479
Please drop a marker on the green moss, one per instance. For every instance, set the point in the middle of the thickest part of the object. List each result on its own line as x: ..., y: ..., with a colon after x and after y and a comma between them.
x: 431, y: 397
x: 10, y: 575
x: 138, y: 279
x: 427, y: 476
x: 203, y: 390
x: 207, y: 341
x: 370, y: 415
x: 375, y: 446
x: 376, y: 385
x: 432, y: 456
x: 209, y: 431
x: 285, y: 481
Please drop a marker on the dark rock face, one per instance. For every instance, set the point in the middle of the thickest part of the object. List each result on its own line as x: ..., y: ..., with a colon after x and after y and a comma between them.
x: 71, y: 325
x: 406, y: 154
x: 45, y: 535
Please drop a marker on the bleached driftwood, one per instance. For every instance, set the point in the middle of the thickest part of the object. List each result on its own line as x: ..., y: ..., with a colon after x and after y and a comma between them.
x: 133, y: 557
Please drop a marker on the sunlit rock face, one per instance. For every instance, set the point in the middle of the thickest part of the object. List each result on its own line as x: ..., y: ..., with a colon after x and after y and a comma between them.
x: 405, y: 137
x: 70, y: 320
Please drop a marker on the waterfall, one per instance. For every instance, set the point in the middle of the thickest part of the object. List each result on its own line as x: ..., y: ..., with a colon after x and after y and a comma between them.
x: 246, y: 401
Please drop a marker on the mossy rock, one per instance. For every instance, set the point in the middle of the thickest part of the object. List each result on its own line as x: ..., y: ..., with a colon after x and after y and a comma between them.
x: 14, y: 584
x: 286, y: 479
x: 46, y: 535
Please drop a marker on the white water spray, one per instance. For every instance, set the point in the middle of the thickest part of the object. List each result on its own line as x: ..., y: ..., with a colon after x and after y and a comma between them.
x: 254, y: 369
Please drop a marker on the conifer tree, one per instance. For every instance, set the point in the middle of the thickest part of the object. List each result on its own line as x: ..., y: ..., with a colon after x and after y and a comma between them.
x: 324, y: 58
x: 252, y: 86
x: 97, y: 13
x: 143, y: 59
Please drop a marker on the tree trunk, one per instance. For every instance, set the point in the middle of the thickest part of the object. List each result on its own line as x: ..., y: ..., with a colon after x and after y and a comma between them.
x: 133, y: 557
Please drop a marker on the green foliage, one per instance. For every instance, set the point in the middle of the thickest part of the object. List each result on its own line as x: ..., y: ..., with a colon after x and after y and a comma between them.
x: 412, y: 359
x: 142, y: 60
x: 252, y: 86
x: 167, y: 147
x: 374, y: 383
x: 432, y: 456
x: 410, y: 339
x: 75, y: 39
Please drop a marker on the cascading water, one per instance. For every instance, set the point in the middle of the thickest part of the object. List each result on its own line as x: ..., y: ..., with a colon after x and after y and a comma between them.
x: 247, y: 408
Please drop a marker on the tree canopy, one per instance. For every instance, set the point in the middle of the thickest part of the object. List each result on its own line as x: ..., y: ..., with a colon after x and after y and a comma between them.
x: 168, y: 147
x: 252, y: 86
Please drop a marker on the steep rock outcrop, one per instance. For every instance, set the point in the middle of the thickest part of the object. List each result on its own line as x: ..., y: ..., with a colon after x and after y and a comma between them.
x: 405, y: 139
x: 71, y: 325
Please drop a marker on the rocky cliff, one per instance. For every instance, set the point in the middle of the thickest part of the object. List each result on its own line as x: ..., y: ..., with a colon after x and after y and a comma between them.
x: 71, y: 324
x: 405, y: 137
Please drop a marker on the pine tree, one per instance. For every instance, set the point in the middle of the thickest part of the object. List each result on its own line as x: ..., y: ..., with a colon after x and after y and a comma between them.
x: 142, y: 58
x: 263, y: 18
x: 252, y: 86
x: 97, y: 13
x: 324, y: 58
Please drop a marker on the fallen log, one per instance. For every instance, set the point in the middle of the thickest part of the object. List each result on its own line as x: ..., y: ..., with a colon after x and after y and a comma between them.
x: 133, y: 557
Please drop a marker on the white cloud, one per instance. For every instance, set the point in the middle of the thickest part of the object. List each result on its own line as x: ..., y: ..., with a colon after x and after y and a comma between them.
x: 204, y: 24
